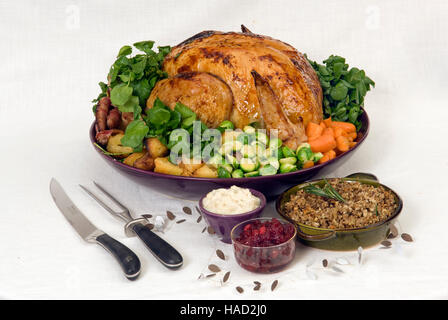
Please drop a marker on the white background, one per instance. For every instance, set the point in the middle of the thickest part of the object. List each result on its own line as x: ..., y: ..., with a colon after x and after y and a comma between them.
x: 53, y: 54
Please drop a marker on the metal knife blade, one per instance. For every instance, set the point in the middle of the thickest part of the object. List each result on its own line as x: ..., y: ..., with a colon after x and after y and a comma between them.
x: 79, y: 222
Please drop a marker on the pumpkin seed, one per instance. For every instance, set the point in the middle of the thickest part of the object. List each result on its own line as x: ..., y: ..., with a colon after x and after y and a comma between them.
x: 187, y: 210
x: 386, y: 243
x: 210, y: 230
x: 199, y: 219
x: 274, y: 285
x: 239, y: 289
x: 180, y: 221
x: 170, y: 215
x: 220, y: 254
x: 406, y: 237
x: 214, y: 268
x: 226, y: 277
x: 325, y: 263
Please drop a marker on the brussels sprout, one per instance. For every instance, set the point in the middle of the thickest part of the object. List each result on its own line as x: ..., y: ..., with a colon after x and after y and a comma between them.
x: 247, y: 151
x: 232, y: 160
x: 303, y: 145
x: 317, y: 156
x: 238, y: 173
x: 223, y: 172
x: 304, y: 154
x: 262, y: 137
x: 249, y: 129
x: 252, y: 174
x: 274, y: 162
x: 284, y: 168
x: 287, y: 152
x: 259, y: 148
x: 226, y: 125
x: 248, y: 164
x: 268, y: 170
x: 228, y: 167
x: 290, y: 160
x: 275, y: 143
x: 215, y: 161
x: 245, y: 138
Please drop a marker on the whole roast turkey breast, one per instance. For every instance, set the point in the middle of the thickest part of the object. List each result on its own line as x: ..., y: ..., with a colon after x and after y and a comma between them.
x: 243, y: 61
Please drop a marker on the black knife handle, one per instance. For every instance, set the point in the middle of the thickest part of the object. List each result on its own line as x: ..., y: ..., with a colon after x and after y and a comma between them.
x: 127, y: 259
x: 161, y: 249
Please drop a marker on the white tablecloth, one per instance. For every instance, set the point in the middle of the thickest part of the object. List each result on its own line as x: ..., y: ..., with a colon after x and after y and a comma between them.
x: 53, y: 54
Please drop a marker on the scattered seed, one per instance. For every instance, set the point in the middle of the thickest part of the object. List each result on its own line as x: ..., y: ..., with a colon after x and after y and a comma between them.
x: 180, y: 221
x: 210, y: 230
x: 204, y: 229
x: 406, y: 237
x: 198, y: 210
x: 211, y: 275
x: 393, y: 230
x: 187, y: 210
x: 325, y: 263
x: 201, y: 276
x: 226, y: 277
x: 257, y: 287
x: 391, y: 236
x: 214, y: 268
x: 170, y: 215
x: 385, y: 247
x: 199, y: 219
x: 274, y: 285
x: 220, y: 254
x: 386, y: 243
x: 150, y: 226
x: 258, y: 283
x: 239, y: 289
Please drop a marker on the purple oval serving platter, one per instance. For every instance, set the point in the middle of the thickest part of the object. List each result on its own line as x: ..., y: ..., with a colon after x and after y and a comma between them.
x: 194, y: 188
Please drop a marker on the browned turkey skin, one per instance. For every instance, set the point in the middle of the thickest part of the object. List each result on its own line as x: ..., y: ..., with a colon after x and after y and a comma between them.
x: 289, y: 98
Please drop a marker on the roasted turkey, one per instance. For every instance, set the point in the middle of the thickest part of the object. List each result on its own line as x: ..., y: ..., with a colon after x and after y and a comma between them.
x: 243, y: 77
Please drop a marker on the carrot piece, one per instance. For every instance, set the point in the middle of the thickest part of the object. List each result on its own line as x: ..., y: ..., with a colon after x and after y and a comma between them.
x: 328, y: 131
x: 328, y: 122
x: 346, y: 126
x: 325, y: 158
x: 324, y: 143
x: 352, y: 135
x: 322, y: 124
x: 331, y: 154
x: 352, y: 144
x: 313, y: 130
x: 342, y: 143
x: 308, y: 164
x: 338, y: 132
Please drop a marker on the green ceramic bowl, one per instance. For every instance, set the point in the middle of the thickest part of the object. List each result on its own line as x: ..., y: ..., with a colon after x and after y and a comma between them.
x: 341, y: 239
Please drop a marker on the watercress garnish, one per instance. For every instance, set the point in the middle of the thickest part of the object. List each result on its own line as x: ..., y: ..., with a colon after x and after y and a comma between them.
x: 344, y: 89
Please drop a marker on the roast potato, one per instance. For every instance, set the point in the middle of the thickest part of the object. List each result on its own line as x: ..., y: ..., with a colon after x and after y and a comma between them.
x: 206, y: 172
x: 156, y: 148
x: 114, y: 146
x: 163, y: 165
x: 132, y: 158
x: 145, y: 163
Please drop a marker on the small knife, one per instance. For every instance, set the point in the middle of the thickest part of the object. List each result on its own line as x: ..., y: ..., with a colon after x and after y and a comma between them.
x: 127, y: 259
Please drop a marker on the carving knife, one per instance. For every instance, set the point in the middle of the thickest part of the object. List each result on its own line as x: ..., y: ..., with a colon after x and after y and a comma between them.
x: 127, y: 259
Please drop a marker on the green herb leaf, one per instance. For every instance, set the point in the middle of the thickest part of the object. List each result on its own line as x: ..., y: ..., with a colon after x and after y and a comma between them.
x: 327, y: 191
x: 135, y: 133
x: 144, y: 46
x: 124, y: 51
x: 120, y: 94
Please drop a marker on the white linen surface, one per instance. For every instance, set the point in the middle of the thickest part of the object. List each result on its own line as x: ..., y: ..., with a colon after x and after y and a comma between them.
x: 53, y: 54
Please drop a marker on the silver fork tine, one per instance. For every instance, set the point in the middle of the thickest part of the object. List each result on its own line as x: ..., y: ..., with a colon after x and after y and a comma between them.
x: 118, y: 203
x: 105, y: 206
